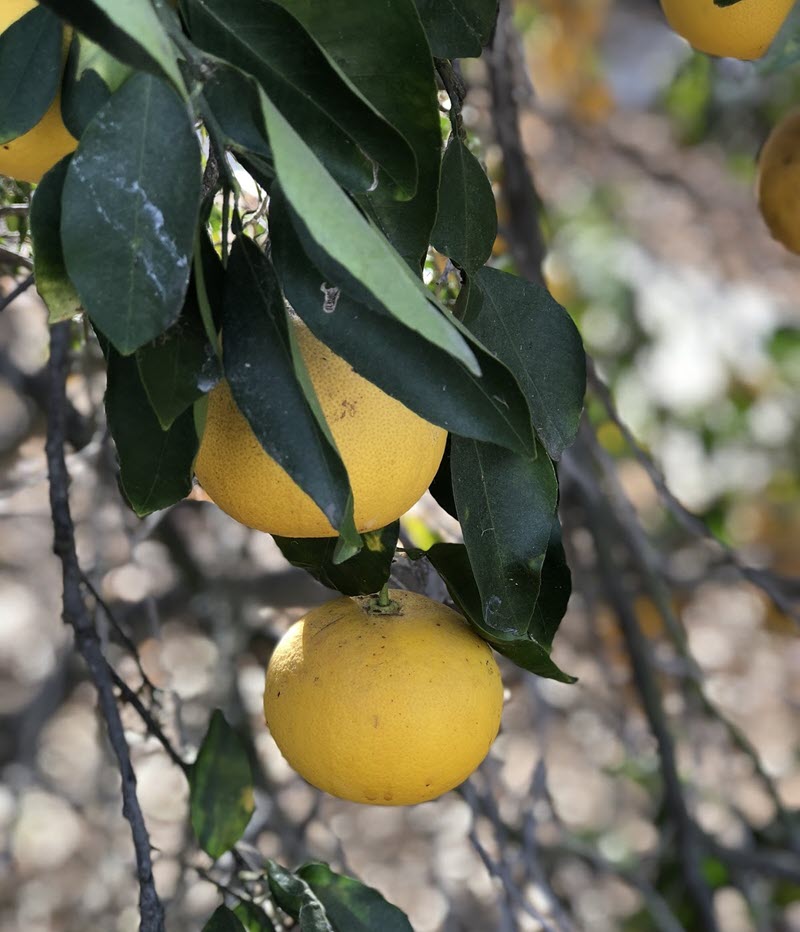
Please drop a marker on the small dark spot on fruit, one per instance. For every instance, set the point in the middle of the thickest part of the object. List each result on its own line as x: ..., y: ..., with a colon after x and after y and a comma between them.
x: 279, y: 692
x: 388, y: 797
x: 375, y: 721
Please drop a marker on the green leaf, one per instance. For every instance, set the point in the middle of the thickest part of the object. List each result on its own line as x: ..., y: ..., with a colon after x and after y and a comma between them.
x: 397, y: 76
x: 505, y: 503
x: 555, y: 589
x: 253, y: 918
x: 221, y: 788
x: 334, y: 222
x: 232, y: 109
x: 362, y: 574
x: 469, y: 301
x: 537, y: 339
x: 352, y: 906
x: 458, y: 28
x: 52, y: 281
x: 347, y: 134
x: 451, y: 562
x: 268, y: 382
x: 441, y: 488
x: 131, y: 31
x: 30, y: 71
x: 443, y: 391
x: 178, y: 366
x: 295, y: 897
x: 224, y: 920
x: 466, y: 225
x: 155, y: 465
x: 129, y: 213
x: 90, y: 78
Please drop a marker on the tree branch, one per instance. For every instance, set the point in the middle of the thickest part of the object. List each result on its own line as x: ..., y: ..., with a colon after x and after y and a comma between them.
x: 519, y: 191
x: 86, y: 640
x: 12, y: 296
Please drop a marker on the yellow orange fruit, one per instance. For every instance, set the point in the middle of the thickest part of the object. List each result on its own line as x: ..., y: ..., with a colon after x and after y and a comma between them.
x: 779, y: 181
x: 390, y: 453
x: 385, y: 709
x: 29, y: 156
x: 744, y: 30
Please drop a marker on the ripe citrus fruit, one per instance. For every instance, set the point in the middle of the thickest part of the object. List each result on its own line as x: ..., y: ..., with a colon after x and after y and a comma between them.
x: 744, y: 30
x: 391, y: 454
x: 29, y: 156
x: 779, y: 181
x: 389, y: 709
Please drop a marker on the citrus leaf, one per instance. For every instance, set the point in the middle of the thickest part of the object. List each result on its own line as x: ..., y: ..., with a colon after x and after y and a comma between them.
x: 469, y: 301
x: 505, y: 503
x: 30, y: 71
x: 223, y: 920
x: 131, y: 31
x: 441, y: 488
x: 352, y: 906
x: 336, y: 225
x: 129, y: 213
x: 362, y: 574
x: 555, y: 589
x: 270, y: 387
x: 443, y: 391
x: 457, y: 28
x: 90, y: 78
x: 354, y: 33
x: 232, y: 109
x: 220, y: 789
x: 295, y: 897
x: 466, y: 225
x: 536, y: 338
x: 52, y: 281
x: 451, y: 562
x: 335, y: 120
x: 155, y: 465
x: 253, y: 918
x: 176, y: 368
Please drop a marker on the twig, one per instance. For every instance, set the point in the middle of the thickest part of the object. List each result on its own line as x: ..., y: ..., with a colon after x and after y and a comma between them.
x: 86, y: 640
x: 519, y: 191
x: 14, y: 259
x: 129, y: 696
x: 12, y: 296
x: 767, y: 582
x: 14, y: 210
x: 689, y: 838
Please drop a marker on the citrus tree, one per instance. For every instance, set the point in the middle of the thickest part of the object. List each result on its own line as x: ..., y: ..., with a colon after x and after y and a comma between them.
x: 270, y: 216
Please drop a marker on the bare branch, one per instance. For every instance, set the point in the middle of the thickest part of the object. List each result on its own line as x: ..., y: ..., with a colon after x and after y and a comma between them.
x: 86, y: 640
x: 14, y: 259
x: 12, y: 296
x: 519, y: 191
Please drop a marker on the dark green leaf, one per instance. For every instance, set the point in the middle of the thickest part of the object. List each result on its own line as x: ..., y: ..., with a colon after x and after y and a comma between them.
x: 555, y: 589
x: 91, y: 76
x: 451, y: 562
x: 295, y: 897
x: 350, y: 905
x: 232, y: 108
x: 505, y: 503
x: 466, y: 225
x: 458, y: 28
x: 537, y: 339
x: 155, y: 465
x: 224, y: 920
x: 469, y: 301
x: 52, y: 281
x: 221, y: 788
x: 30, y: 71
x: 442, y: 486
x: 341, y: 231
x: 443, y: 391
x: 176, y: 367
x: 263, y: 373
x: 129, y: 213
x: 335, y: 120
x: 253, y: 918
x: 397, y: 76
x: 131, y: 31
x: 362, y: 574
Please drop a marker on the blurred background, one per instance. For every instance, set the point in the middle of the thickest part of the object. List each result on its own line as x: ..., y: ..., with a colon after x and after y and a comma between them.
x: 643, y: 155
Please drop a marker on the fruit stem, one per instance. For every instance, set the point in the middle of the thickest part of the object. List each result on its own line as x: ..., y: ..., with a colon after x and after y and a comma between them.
x: 382, y: 604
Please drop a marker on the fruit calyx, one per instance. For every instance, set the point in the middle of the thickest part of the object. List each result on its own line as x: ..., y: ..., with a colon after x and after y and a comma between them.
x: 381, y: 604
